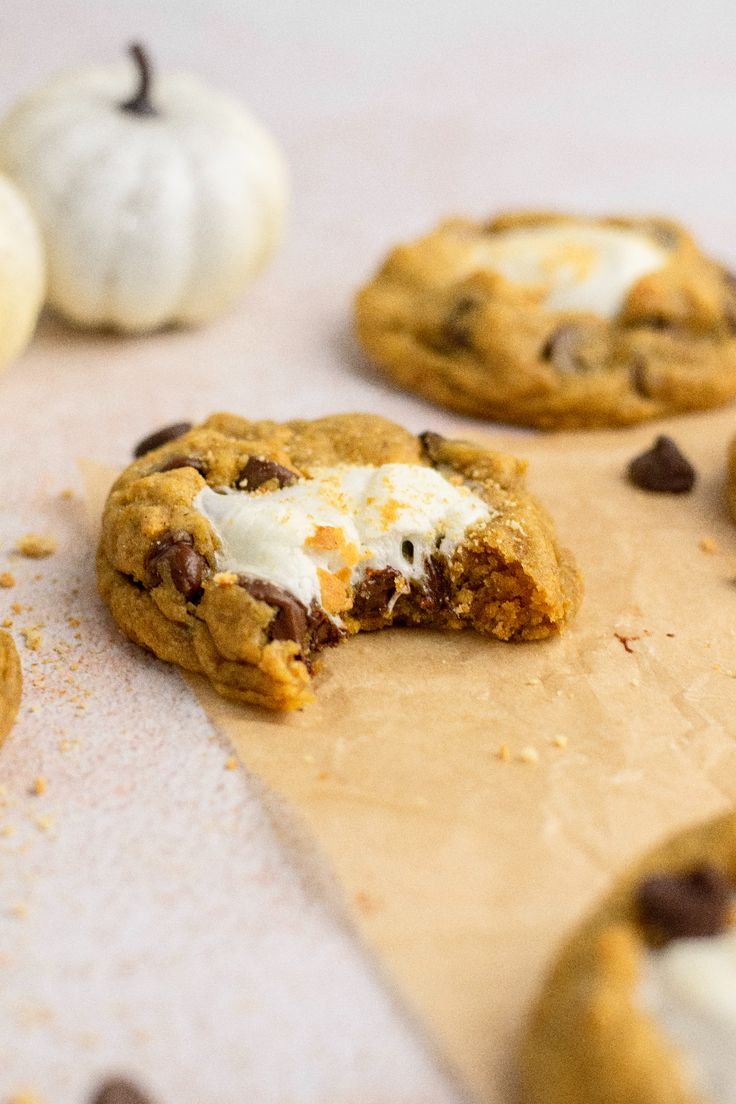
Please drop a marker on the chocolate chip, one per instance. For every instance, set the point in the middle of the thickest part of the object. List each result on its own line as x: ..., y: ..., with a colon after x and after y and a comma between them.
x: 696, y: 903
x: 431, y: 443
x: 562, y: 348
x: 663, y: 468
x: 456, y: 329
x: 640, y: 381
x: 258, y: 471
x: 290, y: 622
x: 185, y: 462
x: 435, y: 586
x: 323, y: 632
x: 161, y: 437
x: 373, y: 595
x: 119, y: 1091
x: 186, y: 566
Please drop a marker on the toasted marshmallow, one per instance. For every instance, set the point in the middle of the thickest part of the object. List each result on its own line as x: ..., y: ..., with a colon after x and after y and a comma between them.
x: 341, y: 521
x: 580, y: 266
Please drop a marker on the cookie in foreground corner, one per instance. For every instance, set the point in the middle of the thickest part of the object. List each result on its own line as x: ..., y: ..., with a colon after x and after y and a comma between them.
x: 555, y: 321
x: 641, y: 1006
x: 242, y: 549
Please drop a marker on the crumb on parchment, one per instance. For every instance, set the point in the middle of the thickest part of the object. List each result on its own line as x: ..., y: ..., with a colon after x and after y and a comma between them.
x: 529, y: 755
x: 503, y: 753
x: 709, y: 545
x: 33, y: 637
x: 7, y: 580
x: 39, y: 786
x: 36, y: 546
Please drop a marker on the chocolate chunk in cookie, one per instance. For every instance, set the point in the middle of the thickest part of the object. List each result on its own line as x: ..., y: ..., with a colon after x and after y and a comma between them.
x: 663, y: 469
x: 119, y: 1090
x: 259, y: 470
x: 186, y: 566
x: 161, y: 437
x: 175, y: 462
x: 290, y: 622
x: 682, y: 906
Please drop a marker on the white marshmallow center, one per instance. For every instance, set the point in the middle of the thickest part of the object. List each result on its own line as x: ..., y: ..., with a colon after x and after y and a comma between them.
x: 689, y: 989
x: 579, y: 266
x: 343, y: 519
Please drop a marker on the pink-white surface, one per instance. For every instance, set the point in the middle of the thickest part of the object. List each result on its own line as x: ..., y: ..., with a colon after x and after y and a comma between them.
x: 153, y: 922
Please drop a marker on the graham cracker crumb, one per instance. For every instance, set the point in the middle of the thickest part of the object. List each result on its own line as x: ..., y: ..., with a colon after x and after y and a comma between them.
x: 232, y: 763
x: 36, y: 546
x: 7, y: 623
x: 560, y: 741
x: 27, y: 1096
x: 529, y: 755
x: 67, y: 493
x: 39, y: 786
x: 225, y: 579
x: 7, y: 580
x: 44, y: 823
x: 18, y: 911
x: 503, y: 753
x: 709, y: 545
x: 8, y: 830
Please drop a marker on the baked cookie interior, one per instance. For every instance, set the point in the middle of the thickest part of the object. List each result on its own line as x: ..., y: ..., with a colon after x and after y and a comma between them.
x: 243, y: 549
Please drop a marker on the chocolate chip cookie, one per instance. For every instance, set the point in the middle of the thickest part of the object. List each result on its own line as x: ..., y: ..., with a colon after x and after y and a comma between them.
x: 641, y: 1006
x: 553, y: 321
x: 243, y: 549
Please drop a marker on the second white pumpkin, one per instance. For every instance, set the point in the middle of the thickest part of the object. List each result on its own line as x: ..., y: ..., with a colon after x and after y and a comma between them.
x: 150, y: 219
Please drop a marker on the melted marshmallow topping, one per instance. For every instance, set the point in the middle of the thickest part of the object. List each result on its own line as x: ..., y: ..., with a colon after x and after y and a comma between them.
x: 341, y: 522
x: 689, y: 989
x: 580, y: 266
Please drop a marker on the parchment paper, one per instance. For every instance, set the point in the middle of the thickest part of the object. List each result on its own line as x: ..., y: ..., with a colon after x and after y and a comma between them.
x: 463, y: 857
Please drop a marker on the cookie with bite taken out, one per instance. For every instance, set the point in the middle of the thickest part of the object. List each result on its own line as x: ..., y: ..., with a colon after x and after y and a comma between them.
x: 243, y: 549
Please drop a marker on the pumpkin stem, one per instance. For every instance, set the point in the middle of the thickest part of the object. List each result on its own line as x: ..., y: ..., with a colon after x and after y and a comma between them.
x: 140, y: 103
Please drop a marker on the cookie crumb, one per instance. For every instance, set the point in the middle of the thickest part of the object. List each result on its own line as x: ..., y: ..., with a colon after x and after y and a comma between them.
x: 33, y: 638
x: 529, y: 755
x: 18, y: 911
x: 709, y: 545
x: 7, y: 580
x: 560, y: 741
x: 39, y: 786
x: 503, y: 753
x: 8, y: 830
x: 36, y: 546
x: 67, y: 493
x: 232, y: 763
x: 44, y: 823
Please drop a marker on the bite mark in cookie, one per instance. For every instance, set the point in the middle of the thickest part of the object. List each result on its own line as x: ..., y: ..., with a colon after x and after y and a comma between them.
x: 291, y: 537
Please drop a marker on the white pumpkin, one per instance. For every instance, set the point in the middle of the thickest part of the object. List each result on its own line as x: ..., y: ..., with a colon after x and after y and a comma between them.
x: 22, y: 272
x: 158, y: 203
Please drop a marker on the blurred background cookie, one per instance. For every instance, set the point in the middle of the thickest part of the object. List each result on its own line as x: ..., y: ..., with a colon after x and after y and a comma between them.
x: 554, y: 321
x: 641, y: 1006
